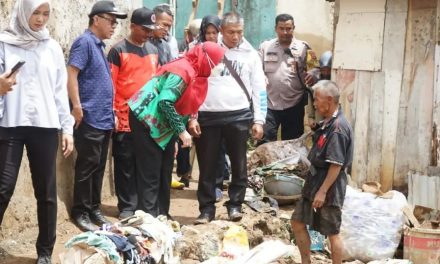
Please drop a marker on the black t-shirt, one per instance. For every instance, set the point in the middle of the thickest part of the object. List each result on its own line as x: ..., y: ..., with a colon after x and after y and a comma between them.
x: 332, y: 143
x: 164, y: 50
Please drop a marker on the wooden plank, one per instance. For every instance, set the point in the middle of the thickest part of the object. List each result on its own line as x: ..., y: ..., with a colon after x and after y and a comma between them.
x: 375, y: 122
x: 362, y: 50
x: 360, y: 155
x: 392, y: 65
x: 435, y: 147
x: 346, y: 80
x: 410, y: 216
x: 416, y: 105
x: 347, y: 83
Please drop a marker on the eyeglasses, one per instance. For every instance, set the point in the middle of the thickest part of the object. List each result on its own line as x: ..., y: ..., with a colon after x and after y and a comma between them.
x: 112, y: 21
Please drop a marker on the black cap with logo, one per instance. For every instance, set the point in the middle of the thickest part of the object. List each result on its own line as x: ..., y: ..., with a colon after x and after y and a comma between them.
x: 107, y: 7
x: 144, y: 17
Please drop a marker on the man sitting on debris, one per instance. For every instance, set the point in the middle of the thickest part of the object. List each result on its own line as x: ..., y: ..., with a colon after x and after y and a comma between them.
x: 324, y: 190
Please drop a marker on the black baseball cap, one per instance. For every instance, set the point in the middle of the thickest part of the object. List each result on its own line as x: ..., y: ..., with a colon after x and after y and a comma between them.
x: 107, y: 7
x: 144, y: 17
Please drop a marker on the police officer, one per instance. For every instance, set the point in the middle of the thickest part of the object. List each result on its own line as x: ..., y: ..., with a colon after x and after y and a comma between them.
x: 284, y: 61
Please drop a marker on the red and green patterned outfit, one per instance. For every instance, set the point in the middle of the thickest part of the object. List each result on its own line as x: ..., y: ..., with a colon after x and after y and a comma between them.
x: 153, y: 105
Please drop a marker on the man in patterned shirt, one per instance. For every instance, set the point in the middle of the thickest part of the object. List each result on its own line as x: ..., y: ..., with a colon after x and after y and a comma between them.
x: 91, y: 93
x: 133, y: 61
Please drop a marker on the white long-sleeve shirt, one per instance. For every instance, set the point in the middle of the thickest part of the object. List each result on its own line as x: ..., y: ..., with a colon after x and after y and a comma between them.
x: 39, y: 98
x: 225, y: 94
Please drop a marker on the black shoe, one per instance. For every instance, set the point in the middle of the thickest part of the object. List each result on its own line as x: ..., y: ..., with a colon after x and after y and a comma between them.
x: 99, y: 219
x: 84, y: 223
x: 43, y: 259
x: 204, y: 218
x: 185, y: 181
x: 234, y: 214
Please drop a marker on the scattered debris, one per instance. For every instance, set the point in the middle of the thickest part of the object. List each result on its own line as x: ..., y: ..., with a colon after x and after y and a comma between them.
x: 202, y: 242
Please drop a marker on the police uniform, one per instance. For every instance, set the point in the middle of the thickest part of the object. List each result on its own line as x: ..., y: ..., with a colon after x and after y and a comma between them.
x: 286, y: 95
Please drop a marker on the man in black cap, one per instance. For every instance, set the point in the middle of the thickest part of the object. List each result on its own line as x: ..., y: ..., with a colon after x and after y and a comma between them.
x: 91, y: 93
x: 133, y: 62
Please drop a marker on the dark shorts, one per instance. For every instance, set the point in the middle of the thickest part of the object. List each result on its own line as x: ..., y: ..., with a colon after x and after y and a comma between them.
x: 326, y: 220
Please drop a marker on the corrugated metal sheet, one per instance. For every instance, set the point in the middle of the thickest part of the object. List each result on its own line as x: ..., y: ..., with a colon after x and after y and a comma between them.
x: 424, y: 190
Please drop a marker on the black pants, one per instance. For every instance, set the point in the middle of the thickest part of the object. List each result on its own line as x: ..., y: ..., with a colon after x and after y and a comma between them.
x: 223, y: 174
x: 125, y: 171
x: 154, y: 169
x: 182, y: 159
x: 41, y: 146
x: 235, y: 135
x: 290, y: 119
x: 92, y: 147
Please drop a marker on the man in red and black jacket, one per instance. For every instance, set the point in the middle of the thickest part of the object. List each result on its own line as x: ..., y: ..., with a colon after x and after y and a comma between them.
x: 133, y: 62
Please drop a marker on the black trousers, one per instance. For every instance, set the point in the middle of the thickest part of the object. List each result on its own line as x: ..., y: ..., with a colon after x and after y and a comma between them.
x: 125, y: 171
x: 223, y: 174
x: 92, y: 147
x: 235, y: 135
x: 182, y: 159
x: 41, y: 146
x: 154, y: 169
x: 290, y: 119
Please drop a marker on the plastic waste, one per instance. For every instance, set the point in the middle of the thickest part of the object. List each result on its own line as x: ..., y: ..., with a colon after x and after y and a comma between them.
x: 371, y: 226
x: 235, y: 242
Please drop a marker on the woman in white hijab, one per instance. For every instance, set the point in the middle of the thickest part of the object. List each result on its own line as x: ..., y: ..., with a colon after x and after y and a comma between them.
x: 33, y: 113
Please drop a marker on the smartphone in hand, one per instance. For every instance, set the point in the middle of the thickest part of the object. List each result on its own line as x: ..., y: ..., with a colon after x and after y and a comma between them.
x: 16, y: 68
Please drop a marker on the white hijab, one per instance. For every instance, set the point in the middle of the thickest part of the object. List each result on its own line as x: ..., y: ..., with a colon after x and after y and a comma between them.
x: 19, y: 33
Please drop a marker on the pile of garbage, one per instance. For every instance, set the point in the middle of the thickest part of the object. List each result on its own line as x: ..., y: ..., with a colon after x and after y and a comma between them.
x: 139, y: 239
x: 278, y: 169
x: 234, y: 248
x: 203, y: 242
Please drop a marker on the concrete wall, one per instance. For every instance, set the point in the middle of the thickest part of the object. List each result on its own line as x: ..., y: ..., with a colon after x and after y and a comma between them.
x: 68, y: 20
x: 313, y: 21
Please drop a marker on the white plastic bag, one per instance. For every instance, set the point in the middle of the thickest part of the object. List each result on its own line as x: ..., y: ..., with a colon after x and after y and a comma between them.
x: 371, y: 227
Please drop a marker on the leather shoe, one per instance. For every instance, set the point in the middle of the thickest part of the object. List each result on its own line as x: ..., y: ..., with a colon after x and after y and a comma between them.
x: 234, y: 214
x: 84, y: 223
x: 204, y: 218
x: 99, y: 219
x: 43, y: 259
